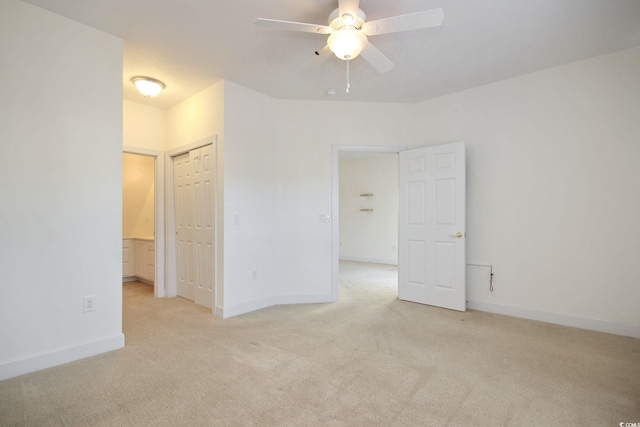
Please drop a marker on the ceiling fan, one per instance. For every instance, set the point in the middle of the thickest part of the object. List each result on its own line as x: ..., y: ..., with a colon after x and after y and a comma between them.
x: 349, y: 30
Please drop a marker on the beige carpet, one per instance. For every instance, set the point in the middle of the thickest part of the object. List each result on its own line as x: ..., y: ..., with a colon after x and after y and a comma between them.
x: 369, y: 359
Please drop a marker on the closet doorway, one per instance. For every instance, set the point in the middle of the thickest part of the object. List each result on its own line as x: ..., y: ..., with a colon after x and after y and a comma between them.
x: 192, y: 205
x: 193, y: 191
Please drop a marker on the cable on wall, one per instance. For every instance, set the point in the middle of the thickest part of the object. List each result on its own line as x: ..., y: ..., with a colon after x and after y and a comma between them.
x: 490, y: 267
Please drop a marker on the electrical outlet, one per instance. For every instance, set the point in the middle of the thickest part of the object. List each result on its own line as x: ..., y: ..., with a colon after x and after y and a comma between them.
x: 89, y: 303
x: 254, y: 275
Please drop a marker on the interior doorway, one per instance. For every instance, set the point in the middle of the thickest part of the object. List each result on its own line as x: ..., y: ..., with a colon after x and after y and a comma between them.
x: 143, y: 217
x: 364, y: 210
x: 368, y: 201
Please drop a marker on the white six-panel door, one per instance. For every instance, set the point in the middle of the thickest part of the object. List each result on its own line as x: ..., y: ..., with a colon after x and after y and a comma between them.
x: 194, y: 204
x: 182, y: 173
x: 202, y: 233
x: 431, y: 261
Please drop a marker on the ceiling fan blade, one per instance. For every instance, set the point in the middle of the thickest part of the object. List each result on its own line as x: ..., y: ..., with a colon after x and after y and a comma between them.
x: 376, y: 58
x: 411, y: 21
x: 348, y: 6
x: 293, y: 26
x: 318, y: 59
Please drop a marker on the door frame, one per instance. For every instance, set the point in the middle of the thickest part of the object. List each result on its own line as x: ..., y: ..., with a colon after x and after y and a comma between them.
x: 170, y: 226
x: 335, y: 204
x: 159, y: 283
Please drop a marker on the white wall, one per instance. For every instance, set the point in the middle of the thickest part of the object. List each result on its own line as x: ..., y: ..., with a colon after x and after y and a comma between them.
x: 553, y: 199
x: 198, y: 117
x: 306, y: 132
x: 60, y: 178
x: 144, y: 126
x: 369, y: 236
x: 250, y: 196
x: 138, y: 195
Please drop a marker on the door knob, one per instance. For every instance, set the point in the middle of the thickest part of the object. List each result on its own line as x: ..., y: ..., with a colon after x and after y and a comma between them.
x: 458, y: 235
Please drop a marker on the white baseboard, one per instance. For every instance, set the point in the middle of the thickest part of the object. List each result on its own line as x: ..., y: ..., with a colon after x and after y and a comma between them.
x: 136, y: 279
x: 246, y: 307
x: 60, y: 357
x: 610, y: 327
x: 304, y: 299
x: 370, y: 260
x: 250, y: 306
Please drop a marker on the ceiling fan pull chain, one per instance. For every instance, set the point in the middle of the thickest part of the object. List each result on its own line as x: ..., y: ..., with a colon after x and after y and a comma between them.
x: 348, y: 84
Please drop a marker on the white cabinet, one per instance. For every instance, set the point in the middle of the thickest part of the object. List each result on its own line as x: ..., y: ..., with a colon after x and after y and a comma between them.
x: 145, y: 260
x: 138, y: 259
x: 150, y: 261
x: 141, y: 252
x: 128, y: 258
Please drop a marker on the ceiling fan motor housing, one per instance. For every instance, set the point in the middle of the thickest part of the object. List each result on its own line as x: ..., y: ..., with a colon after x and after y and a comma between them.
x: 347, y: 20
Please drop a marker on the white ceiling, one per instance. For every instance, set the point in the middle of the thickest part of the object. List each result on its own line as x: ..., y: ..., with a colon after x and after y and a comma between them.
x: 191, y: 44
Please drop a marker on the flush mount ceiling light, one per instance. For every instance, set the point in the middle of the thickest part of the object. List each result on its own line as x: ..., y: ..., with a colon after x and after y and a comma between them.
x: 147, y: 86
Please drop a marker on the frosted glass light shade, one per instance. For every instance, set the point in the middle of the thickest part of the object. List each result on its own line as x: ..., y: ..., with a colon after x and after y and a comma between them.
x: 347, y: 43
x: 147, y: 86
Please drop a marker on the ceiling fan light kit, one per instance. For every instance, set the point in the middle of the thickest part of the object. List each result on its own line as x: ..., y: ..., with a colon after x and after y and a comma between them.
x: 347, y: 44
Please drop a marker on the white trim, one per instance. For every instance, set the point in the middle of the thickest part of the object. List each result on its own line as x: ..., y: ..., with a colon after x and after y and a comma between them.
x: 192, y: 146
x: 159, y: 283
x: 218, y: 311
x: 60, y: 357
x: 170, y: 228
x: 369, y: 260
x: 335, y: 205
x: 141, y: 150
x: 610, y: 327
x: 172, y: 286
